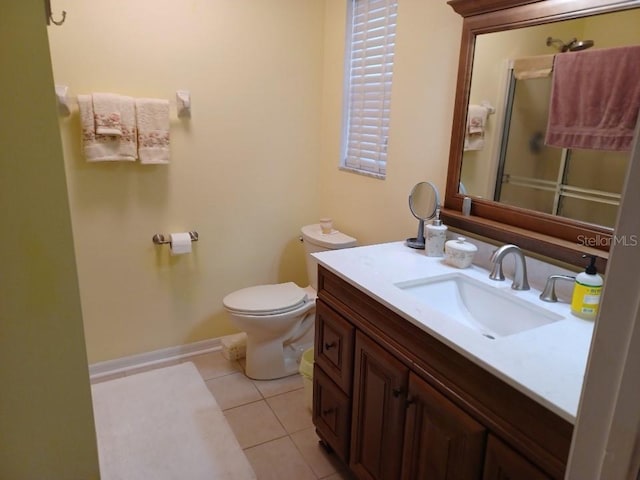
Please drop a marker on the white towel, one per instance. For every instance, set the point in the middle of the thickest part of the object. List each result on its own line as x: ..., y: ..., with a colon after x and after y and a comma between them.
x: 153, y: 130
x: 106, y: 112
x: 476, y: 121
x: 100, y: 148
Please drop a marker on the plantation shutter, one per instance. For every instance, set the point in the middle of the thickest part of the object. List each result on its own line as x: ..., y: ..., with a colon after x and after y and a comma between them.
x: 370, y: 68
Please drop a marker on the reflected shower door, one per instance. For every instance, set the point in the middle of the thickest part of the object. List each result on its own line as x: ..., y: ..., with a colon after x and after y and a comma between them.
x: 579, y: 184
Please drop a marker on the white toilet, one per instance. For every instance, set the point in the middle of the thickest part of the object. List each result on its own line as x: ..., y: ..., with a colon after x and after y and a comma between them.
x: 274, y: 317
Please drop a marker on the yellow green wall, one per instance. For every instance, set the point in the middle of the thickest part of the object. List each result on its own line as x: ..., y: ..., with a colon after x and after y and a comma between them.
x: 425, y: 69
x: 243, y: 172
x: 46, y: 422
x: 258, y: 159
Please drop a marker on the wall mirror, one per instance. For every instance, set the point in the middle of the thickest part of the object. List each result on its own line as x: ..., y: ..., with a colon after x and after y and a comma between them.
x: 557, y: 202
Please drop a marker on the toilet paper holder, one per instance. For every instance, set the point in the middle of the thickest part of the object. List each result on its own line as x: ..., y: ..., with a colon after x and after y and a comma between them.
x: 161, y: 238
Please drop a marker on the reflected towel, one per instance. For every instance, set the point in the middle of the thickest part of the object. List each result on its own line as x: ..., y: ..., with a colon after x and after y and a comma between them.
x: 100, y: 148
x: 539, y: 66
x: 153, y: 130
x: 476, y: 122
x: 595, y: 97
x: 106, y: 112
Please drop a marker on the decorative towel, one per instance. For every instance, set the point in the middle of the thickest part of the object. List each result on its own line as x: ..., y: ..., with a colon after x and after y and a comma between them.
x: 476, y: 121
x: 100, y: 148
x: 595, y: 97
x: 539, y: 66
x: 106, y: 111
x: 153, y: 130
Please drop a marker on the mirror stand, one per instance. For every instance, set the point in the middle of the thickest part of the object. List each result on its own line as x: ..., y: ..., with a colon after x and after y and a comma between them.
x: 418, y: 240
x: 424, y: 200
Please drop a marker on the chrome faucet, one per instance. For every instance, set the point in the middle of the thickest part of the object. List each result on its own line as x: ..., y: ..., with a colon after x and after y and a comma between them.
x: 520, y: 277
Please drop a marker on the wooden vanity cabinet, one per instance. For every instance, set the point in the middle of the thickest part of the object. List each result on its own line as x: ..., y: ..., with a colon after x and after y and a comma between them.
x: 394, y: 403
x: 503, y: 463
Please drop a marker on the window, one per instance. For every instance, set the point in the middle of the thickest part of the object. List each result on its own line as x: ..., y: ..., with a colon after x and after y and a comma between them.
x: 369, y: 69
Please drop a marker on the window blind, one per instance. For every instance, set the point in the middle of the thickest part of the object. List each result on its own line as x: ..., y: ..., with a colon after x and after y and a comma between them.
x: 371, y: 42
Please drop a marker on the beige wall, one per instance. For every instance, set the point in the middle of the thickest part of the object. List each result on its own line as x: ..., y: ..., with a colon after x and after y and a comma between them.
x: 258, y: 159
x: 243, y: 173
x: 425, y: 69
x: 46, y: 423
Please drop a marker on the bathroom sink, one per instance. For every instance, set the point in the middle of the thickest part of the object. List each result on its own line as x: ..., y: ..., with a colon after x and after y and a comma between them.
x: 490, y: 311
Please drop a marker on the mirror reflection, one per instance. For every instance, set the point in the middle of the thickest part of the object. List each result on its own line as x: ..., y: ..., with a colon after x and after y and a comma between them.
x: 505, y: 158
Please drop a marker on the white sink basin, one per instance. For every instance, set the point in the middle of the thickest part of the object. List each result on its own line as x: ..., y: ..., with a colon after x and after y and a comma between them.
x: 490, y: 311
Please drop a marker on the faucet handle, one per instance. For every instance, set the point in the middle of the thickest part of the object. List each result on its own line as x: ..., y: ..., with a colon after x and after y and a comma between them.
x: 549, y: 292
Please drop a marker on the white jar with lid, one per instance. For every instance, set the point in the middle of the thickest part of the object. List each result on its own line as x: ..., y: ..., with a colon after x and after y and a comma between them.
x: 459, y: 253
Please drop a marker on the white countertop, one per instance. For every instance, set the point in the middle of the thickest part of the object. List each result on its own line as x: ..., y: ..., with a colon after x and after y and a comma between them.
x: 546, y: 363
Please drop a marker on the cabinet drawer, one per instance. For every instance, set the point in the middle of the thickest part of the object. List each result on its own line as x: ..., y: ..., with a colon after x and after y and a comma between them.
x: 331, y: 413
x: 334, y: 346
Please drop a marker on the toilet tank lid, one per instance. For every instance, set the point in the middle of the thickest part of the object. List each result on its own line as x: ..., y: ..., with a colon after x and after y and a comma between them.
x: 333, y: 240
x: 263, y: 299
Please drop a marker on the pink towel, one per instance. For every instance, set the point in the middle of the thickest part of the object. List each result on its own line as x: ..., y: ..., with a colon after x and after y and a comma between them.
x: 595, y: 98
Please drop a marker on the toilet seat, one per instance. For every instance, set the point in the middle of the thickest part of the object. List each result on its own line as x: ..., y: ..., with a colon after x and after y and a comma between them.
x: 266, y: 300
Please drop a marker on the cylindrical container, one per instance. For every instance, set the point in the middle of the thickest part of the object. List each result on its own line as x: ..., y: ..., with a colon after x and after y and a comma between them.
x: 586, y: 292
x: 435, y: 237
x: 459, y: 253
x: 326, y: 225
x: 306, y: 370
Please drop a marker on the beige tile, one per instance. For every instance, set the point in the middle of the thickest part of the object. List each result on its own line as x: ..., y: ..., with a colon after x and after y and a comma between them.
x: 270, y: 388
x: 278, y: 460
x: 291, y: 410
x: 212, y: 365
x: 254, y: 423
x: 321, y: 462
x: 233, y: 390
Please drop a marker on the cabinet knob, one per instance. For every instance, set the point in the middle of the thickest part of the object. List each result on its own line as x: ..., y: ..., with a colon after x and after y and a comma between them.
x: 327, y: 411
x: 329, y: 346
x: 396, y: 392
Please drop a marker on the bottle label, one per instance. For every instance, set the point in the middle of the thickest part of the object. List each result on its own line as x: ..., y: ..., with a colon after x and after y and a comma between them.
x: 585, y: 299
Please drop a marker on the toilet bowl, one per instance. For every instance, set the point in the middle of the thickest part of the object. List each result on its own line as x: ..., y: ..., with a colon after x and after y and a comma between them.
x: 275, y: 317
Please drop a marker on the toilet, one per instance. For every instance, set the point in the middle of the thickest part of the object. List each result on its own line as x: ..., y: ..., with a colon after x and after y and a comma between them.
x: 275, y: 317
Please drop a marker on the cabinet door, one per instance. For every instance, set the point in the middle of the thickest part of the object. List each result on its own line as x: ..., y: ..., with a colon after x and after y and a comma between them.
x: 504, y: 463
x: 441, y: 442
x: 379, y: 405
x: 334, y: 346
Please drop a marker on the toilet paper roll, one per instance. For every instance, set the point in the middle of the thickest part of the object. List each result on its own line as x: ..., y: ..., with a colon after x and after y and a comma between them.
x: 180, y: 243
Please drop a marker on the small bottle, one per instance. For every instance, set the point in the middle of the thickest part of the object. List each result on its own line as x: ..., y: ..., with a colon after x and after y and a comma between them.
x: 466, y: 206
x: 586, y: 292
x: 435, y: 237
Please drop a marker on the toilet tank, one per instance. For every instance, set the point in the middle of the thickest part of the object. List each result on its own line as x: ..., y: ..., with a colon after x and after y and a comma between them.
x: 316, y: 241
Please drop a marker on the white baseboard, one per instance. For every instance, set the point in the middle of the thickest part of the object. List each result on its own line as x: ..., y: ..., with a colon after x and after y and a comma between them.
x: 150, y: 359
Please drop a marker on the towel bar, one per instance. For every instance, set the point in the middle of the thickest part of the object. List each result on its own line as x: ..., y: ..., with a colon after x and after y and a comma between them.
x: 162, y: 239
x: 182, y: 103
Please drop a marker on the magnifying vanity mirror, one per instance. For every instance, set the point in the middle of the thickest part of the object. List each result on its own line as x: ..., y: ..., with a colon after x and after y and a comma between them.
x: 558, y: 202
x: 423, y: 202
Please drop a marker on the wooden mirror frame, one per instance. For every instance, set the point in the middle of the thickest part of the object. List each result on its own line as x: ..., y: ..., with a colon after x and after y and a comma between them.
x: 552, y: 236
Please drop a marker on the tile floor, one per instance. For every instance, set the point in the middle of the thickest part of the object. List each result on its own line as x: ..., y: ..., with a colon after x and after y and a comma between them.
x: 270, y: 419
